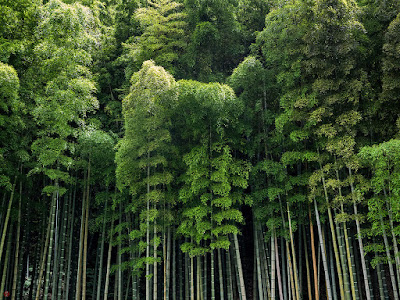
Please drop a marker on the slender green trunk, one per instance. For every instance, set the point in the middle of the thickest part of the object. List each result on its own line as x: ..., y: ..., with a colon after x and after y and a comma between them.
x: 107, y: 283
x: 103, y: 235
x: 314, y: 258
x: 182, y: 275
x: 16, y: 260
x: 191, y: 279
x: 239, y: 267
x: 71, y: 234
x: 115, y: 286
x: 296, y: 280
x: 5, y: 265
x: 356, y: 267
x: 62, y: 250
x: 96, y: 270
x: 133, y: 256
x: 309, y: 290
x: 278, y: 271
x: 284, y: 269
x: 127, y: 288
x: 221, y: 277
x: 187, y: 277
x: 255, y: 283
x: 360, y: 243
x: 350, y: 266
x: 380, y: 281
x: 43, y: 258
x: 342, y: 252
x: 212, y: 276
x: 389, y: 257
x: 174, y: 294
x: 81, y: 241
x: 229, y: 271
x: 51, y: 239
x: 291, y: 281
x: 264, y: 263
x: 395, y: 247
x: 55, y: 270
x: 258, y: 264
x: 86, y: 237
x: 120, y: 285
x: 155, y: 273
x: 273, y: 267
x: 148, y: 233
x: 198, y: 277
x: 3, y: 236
x: 323, y: 253
x: 205, y: 272
x: 334, y: 240
x: 237, y: 285
x: 333, y: 273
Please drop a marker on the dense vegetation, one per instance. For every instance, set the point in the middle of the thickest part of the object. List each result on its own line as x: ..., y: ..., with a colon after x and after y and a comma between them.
x: 194, y: 149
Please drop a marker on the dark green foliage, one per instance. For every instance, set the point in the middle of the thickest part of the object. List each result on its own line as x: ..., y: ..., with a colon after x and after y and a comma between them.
x: 163, y: 38
x: 391, y: 77
x: 163, y: 170
x: 215, y: 45
x: 10, y: 117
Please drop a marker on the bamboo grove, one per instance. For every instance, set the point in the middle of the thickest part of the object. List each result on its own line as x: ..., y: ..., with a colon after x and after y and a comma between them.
x: 197, y: 149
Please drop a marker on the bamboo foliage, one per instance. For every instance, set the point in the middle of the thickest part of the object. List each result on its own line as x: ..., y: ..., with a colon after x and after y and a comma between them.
x: 219, y: 183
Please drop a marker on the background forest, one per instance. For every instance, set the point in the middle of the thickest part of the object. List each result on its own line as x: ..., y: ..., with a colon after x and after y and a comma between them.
x: 200, y: 149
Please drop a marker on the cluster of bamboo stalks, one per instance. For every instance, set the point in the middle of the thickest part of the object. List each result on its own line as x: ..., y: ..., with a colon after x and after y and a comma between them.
x: 326, y: 261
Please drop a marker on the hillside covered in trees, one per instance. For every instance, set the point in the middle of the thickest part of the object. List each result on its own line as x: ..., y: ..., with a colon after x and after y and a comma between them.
x: 199, y: 149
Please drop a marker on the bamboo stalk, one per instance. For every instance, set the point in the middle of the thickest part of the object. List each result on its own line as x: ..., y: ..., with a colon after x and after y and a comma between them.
x: 86, y: 236
x: 395, y: 247
x: 3, y: 236
x: 309, y: 290
x: 314, y: 259
x: 191, y: 279
x: 120, y: 285
x: 290, y: 266
x: 264, y: 265
x: 168, y: 266
x: 198, y: 278
x: 62, y: 250
x: 323, y: 253
x: 229, y: 271
x: 55, y: 271
x: 174, y: 292
x: 106, y: 285
x: 221, y: 278
x: 212, y: 276
x: 205, y: 272
x: 81, y: 241
x: 148, y: 233
x: 273, y: 268
x: 44, y: 256
x: 155, y: 271
x: 360, y: 243
x: 278, y: 272
x: 5, y: 265
x: 333, y: 273
x: 16, y: 260
x: 239, y: 266
x: 49, y: 254
x: 392, y: 274
x: 334, y: 240
x: 71, y: 231
x: 103, y: 234
x: 296, y: 280
x: 258, y: 265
